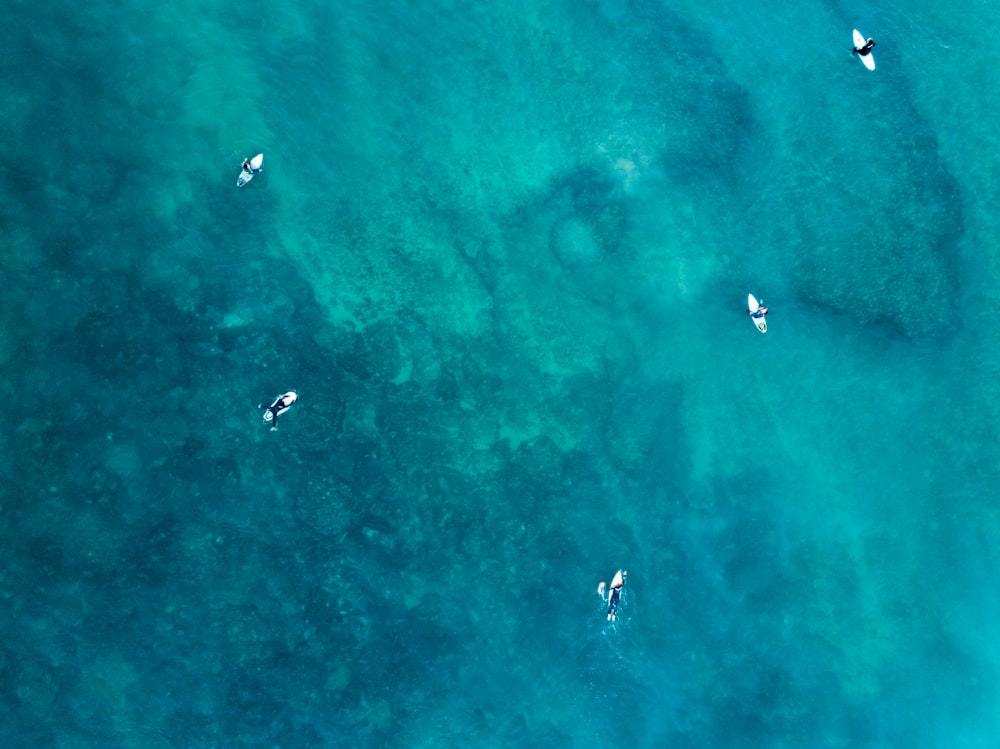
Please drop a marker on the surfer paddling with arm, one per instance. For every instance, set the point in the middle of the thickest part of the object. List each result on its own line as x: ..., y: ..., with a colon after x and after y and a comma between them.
x: 614, y: 593
x: 249, y: 168
x: 866, y: 48
x: 756, y: 310
x: 281, y: 404
x: 863, y: 49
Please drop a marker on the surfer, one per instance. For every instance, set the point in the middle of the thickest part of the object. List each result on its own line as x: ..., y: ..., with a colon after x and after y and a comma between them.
x: 862, y: 51
x: 614, y: 596
x: 761, y: 311
x: 249, y: 168
x: 281, y: 404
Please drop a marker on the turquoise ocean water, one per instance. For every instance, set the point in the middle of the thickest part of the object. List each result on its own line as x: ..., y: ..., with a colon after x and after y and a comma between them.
x: 502, y: 251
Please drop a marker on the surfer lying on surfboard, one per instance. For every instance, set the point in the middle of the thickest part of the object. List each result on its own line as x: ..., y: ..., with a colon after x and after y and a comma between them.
x: 866, y: 49
x: 761, y: 311
x: 614, y: 593
x: 281, y: 404
x: 250, y: 168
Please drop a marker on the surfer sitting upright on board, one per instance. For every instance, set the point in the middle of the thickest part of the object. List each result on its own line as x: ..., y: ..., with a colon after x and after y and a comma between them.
x: 281, y: 404
x: 761, y: 311
x: 248, y: 168
x: 614, y: 596
x: 865, y: 50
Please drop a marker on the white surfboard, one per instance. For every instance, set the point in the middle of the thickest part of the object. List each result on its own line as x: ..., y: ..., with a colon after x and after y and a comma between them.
x: 618, y: 581
x: 269, y: 415
x: 759, y: 322
x: 255, y: 163
x: 859, y: 42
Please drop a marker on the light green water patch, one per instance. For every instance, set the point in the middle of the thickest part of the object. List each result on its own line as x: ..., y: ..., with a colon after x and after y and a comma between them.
x: 445, y: 92
x: 472, y: 137
x: 533, y: 231
x: 860, y: 614
x: 385, y: 263
x: 945, y: 52
x: 815, y: 425
x: 215, y: 89
x: 857, y: 207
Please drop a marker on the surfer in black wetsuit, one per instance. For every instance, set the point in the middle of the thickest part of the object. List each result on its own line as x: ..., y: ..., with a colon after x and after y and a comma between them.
x: 614, y: 594
x: 281, y: 404
x: 249, y: 169
x: 862, y: 51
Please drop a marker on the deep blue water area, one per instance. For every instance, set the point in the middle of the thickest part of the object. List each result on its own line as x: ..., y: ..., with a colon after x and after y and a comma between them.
x: 502, y: 253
